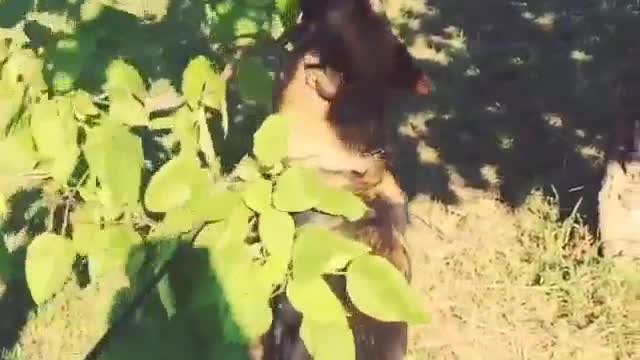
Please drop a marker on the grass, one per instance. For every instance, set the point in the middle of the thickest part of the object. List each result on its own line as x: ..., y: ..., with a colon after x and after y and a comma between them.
x: 503, y: 165
x: 521, y: 284
x: 505, y: 169
x: 48, y: 335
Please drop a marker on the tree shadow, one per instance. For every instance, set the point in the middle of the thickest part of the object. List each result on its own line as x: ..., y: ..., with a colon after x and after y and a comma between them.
x: 528, y: 89
x: 27, y: 217
x: 171, y: 306
x: 158, y: 49
x: 12, y: 12
x: 15, y: 302
x: 183, y: 315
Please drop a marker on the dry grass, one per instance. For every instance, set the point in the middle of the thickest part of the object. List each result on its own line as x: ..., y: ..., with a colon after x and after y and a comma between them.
x: 519, y: 284
x: 86, y: 317
x: 505, y: 280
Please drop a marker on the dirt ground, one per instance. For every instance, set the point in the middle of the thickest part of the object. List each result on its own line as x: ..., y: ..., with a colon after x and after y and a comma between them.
x: 503, y: 165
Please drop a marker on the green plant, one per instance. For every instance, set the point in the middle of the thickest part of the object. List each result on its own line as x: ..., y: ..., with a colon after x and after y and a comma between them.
x: 129, y: 165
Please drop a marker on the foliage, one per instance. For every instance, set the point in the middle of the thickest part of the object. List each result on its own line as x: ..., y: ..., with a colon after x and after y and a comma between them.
x: 131, y: 162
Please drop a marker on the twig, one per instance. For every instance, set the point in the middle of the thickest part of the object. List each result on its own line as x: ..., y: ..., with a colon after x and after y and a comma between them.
x: 97, y: 349
x: 65, y: 219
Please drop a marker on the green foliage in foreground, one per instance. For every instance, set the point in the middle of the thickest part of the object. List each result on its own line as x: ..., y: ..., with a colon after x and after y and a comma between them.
x: 121, y: 176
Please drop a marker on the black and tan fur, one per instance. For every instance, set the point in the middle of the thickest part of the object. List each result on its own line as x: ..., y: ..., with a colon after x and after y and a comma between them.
x: 348, y: 40
x: 339, y: 135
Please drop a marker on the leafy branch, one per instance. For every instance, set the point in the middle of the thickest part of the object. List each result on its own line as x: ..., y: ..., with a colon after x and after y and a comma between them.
x: 109, y: 194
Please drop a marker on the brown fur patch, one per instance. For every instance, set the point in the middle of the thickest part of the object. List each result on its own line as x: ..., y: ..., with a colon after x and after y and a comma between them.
x: 314, y: 141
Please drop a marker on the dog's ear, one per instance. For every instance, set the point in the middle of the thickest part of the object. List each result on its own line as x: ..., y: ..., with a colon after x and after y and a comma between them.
x: 359, y: 42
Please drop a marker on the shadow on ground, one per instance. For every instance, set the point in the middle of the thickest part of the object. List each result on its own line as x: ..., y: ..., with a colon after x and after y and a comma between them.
x: 526, y: 93
x: 183, y: 315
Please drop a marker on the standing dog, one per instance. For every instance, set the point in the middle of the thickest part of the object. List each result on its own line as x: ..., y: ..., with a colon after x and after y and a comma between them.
x: 339, y: 130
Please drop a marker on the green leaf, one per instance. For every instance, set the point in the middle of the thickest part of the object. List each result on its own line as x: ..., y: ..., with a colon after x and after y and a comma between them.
x: 315, y: 300
x: 201, y: 82
x: 90, y: 9
x: 173, y: 185
x: 83, y: 105
x: 206, y: 144
x: 121, y: 75
x: 245, y: 30
x: 85, y: 222
x: 23, y: 156
x: 215, y: 205
x: 24, y: 66
x: 239, y: 226
x: 63, y: 165
x: 194, y: 78
x: 288, y: 11
x: 379, y: 290
x: 125, y: 109
x: 149, y: 10
x: 247, y: 295
x: 167, y: 296
x: 53, y: 126
x: 271, y: 140
x: 62, y: 81
x: 185, y: 130
x: 89, y: 190
x: 115, y: 157
x: 162, y: 123
x: 318, y: 251
x: 247, y: 169
x: 254, y: 82
x: 215, y: 91
x: 112, y: 250
x: 209, y: 236
x: 17, y: 37
x: 231, y: 19
x: 276, y: 230
x: 257, y: 195
x: 250, y: 308
x: 4, y: 206
x: 229, y: 232
x: 296, y: 190
x: 4, y: 51
x: 203, y: 206
x: 274, y: 270
x: 341, y: 202
x: 175, y: 222
x: 328, y: 341
x: 83, y: 236
x: 55, y: 133
x: 277, y: 27
x: 10, y: 102
x: 55, y: 22
x: 48, y: 265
